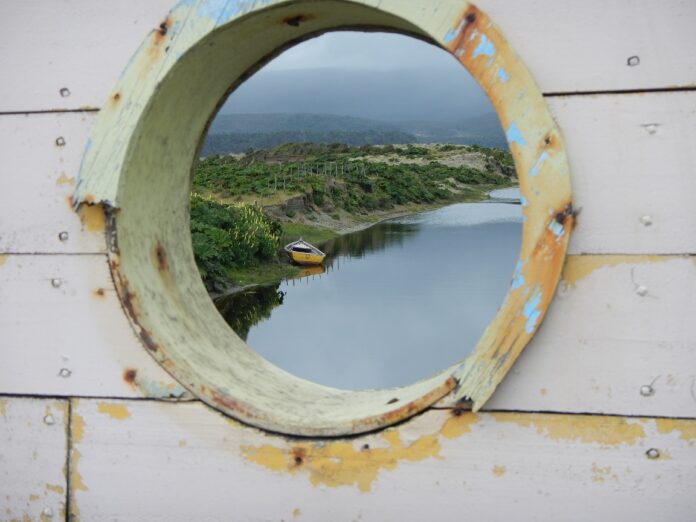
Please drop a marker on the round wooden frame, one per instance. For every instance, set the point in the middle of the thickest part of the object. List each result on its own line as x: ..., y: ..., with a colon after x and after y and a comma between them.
x: 137, y: 167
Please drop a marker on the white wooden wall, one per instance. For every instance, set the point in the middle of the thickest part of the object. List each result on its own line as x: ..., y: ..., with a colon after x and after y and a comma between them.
x: 91, y: 428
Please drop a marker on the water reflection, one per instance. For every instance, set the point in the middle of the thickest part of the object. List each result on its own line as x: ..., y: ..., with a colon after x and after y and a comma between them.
x: 397, y: 302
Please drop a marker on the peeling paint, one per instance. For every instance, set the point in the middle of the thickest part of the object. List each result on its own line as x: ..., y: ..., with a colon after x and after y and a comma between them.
x: 92, y: 217
x: 685, y: 428
x: 3, y: 407
x: 577, y: 268
x: 65, y: 180
x: 587, y: 429
x: 514, y: 135
x: 77, y: 430
x: 115, y: 411
x: 55, y: 488
x: 485, y: 47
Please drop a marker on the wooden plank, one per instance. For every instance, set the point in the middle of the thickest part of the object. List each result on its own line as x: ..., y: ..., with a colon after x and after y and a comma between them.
x: 633, y: 170
x: 568, y: 46
x: 73, y: 44
x: 35, y: 201
x: 133, y: 455
x: 73, y: 339
x: 620, y: 173
x: 584, y: 46
x: 617, y: 324
x: 33, y: 456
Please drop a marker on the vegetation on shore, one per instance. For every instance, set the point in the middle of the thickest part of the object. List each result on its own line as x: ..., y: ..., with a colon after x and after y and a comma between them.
x: 307, y: 185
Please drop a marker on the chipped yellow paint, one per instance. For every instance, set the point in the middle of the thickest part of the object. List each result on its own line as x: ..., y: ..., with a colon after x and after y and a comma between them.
x: 182, y: 443
x: 340, y: 463
x: 2, y: 407
x: 499, y: 471
x: 543, y: 391
x: 55, y: 488
x: 588, y: 429
x: 76, y: 482
x: 65, y: 180
x: 33, y: 497
x: 77, y: 425
x: 296, y: 512
x: 92, y: 217
x: 579, y: 267
x: 600, y: 474
x: 458, y: 425
x: 3, y: 258
x: 686, y: 428
x: 115, y: 411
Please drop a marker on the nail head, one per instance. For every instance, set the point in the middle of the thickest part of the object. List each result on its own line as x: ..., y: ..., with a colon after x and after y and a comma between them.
x: 646, y: 220
x: 633, y: 61
x: 65, y: 373
x: 647, y: 390
x: 60, y: 141
x: 641, y: 290
x: 65, y: 92
x: 56, y: 282
x: 63, y: 236
x: 653, y: 453
x: 48, y: 419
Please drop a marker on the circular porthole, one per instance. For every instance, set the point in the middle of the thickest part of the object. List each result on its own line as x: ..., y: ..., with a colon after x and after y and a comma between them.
x: 138, y: 167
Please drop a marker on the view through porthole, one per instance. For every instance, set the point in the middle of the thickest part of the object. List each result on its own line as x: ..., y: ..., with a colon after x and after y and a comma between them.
x: 382, y: 153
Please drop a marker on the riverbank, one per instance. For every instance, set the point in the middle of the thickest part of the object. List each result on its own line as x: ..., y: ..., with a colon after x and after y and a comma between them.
x: 277, y: 270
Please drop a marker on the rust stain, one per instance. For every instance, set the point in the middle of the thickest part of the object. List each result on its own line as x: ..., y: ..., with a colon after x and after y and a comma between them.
x: 577, y: 268
x: 158, y: 38
x: 686, y: 428
x: 587, y: 429
x: 65, y: 180
x: 129, y: 375
x: 115, y: 411
x: 115, y: 99
x: 161, y: 258
x: 296, y: 20
x: 499, y: 471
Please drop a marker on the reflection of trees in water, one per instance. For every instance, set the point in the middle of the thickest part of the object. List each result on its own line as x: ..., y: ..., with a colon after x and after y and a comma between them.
x: 377, y: 237
x: 249, y: 307
x: 246, y: 308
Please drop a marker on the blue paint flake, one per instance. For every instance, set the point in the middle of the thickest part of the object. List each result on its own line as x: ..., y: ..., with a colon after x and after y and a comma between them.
x: 535, y: 168
x: 502, y: 75
x: 451, y: 34
x: 523, y: 201
x: 531, y: 310
x: 513, y: 135
x: 222, y: 11
x: 556, y: 228
x: 485, y: 47
x: 517, y: 277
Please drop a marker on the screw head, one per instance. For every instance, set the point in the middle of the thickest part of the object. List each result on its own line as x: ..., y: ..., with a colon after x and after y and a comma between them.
x: 60, y: 141
x: 641, y: 290
x: 653, y: 453
x: 56, y: 282
x: 646, y: 220
x: 65, y: 373
x: 647, y: 390
x: 64, y: 92
x: 49, y: 420
x: 47, y: 512
x: 633, y: 61
x: 63, y: 236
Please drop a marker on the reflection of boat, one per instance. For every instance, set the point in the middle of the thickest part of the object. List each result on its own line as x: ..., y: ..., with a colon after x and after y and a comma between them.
x: 310, y: 271
x: 304, y: 253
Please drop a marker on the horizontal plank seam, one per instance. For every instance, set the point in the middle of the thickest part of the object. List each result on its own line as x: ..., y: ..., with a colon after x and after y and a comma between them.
x: 552, y: 94
x: 195, y: 400
x: 555, y: 94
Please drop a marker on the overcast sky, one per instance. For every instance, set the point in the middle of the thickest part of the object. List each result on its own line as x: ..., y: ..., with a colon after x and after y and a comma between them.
x: 369, y: 75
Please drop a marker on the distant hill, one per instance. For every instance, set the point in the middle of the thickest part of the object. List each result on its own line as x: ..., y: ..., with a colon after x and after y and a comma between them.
x: 233, y: 133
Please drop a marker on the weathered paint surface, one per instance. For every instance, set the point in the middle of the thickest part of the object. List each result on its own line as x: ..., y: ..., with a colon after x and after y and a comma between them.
x: 494, y: 462
x: 150, y: 251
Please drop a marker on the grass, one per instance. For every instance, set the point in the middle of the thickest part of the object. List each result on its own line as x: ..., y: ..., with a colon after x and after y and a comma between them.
x: 313, y: 234
x: 262, y: 273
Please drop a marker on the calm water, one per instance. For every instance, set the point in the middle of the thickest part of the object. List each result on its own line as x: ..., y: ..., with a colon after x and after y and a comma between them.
x: 396, y: 303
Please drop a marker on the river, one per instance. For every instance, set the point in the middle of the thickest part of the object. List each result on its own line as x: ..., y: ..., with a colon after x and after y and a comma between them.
x: 394, y: 303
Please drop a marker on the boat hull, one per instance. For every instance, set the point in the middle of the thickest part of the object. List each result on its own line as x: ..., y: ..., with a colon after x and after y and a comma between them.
x: 302, y: 258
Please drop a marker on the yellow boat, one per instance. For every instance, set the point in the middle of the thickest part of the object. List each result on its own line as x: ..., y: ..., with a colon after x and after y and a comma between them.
x: 304, y: 253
